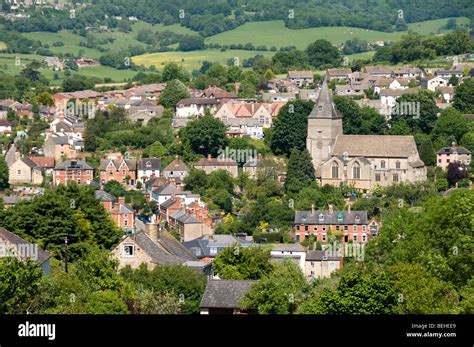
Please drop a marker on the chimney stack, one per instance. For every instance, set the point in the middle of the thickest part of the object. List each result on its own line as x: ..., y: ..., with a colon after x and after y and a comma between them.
x: 331, y: 210
x: 121, y: 200
x: 209, y: 157
x: 349, y: 207
x: 312, y: 208
x: 152, y: 231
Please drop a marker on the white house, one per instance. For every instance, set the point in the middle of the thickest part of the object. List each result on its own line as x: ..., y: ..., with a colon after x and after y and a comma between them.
x: 148, y: 167
x: 189, y: 107
x: 431, y: 83
x: 295, y: 252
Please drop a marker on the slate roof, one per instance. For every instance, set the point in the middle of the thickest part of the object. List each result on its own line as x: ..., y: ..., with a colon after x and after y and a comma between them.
x: 307, y: 217
x: 79, y: 165
x: 378, y: 70
x: 318, y: 256
x: 324, y: 107
x: 16, y: 240
x: 131, y: 164
x: 339, y: 72
x: 29, y: 162
x: 176, y: 165
x: 174, y: 247
x: 154, y: 162
x: 374, y: 146
x: 225, y: 293
x: 289, y: 247
x: 300, y: 74
x: 104, y: 196
x: 451, y: 150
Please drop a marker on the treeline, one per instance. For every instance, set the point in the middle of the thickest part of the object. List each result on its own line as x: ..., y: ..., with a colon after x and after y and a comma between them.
x: 414, y: 46
x: 210, y: 17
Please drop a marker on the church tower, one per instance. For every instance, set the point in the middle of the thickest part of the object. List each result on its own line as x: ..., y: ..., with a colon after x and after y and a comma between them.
x: 324, y: 124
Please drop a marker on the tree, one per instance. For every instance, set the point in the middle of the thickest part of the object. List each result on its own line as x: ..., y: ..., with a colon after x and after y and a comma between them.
x: 451, y: 122
x: 427, y: 153
x: 155, y: 150
x: 147, y: 301
x: 242, y: 263
x: 205, y: 135
x: 464, y: 96
x: 173, y: 92
x: 467, y: 141
x: 360, y: 291
x: 300, y: 171
x: 105, y: 302
x: 323, y: 53
x: 290, y: 128
x: 408, y: 107
x: 278, y: 292
x: 456, y: 172
x: 4, y: 173
x: 19, y: 283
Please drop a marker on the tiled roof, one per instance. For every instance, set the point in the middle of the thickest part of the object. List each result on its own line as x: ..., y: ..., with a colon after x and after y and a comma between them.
x: 216, y: 162
x: 334, y: 218
x: 149, y: 164
x: 324, y: 107
x: 176, y: 165
x: 225, y: 293
x: 16, y: 240
x: 374, y: 146
x: 196, y: 101
x: 300, y: 74
x: 318, y: 256
x: 79, y: 165
x: 43, y: 162
x: 451, y: 150
x: 155, y: 250
x: 104, y: 196
x: 289, y: 247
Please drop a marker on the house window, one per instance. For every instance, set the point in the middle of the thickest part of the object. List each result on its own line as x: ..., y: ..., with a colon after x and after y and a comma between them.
x: 78, y: 181
x: 354, y: 227
x: 364, y: 237
x: 18, y: 172
x: 397, y: 164
x: 363, y: 228
x: 395, y: 177
x: 128, y: 250
x: 324, y: 228
x: 306, y: 228
x: 324, y: 237
x: 356, y: 171
x: 335, y: 170
x: 213, y: 250
x: 321, y: 218
x: 377, y: 177
x: 382, y: 164
x: 354, y: 237
x: 346, y: 228
x: 337, y: 227
x: 125, y: 222
x: 262, y: 119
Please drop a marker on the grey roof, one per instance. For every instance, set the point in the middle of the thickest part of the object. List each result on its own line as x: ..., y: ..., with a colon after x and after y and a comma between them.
x: 318, y: 256
x: 324, y: 107
x: 289, y: 247
x: 131, y: 163
x: 225, y: 293
x: 155, y: 250
x: 60, y: 140
x: 337, y: 217
x: 74, y: 164
x: 168, y: 203
x: 174, y: 247
x: 168, y: 190
x: 155, y: 164
x: 204, y: 244
x: 29, y: 162
x: 104, y: 196
x: 451, y: 150
x: 396, y: 146
x: 125, y: 209
x: 16, y: 240
x: 14, y: 199
x: 176, y: 165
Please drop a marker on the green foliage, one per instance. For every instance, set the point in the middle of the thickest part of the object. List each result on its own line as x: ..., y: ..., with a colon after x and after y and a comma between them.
x: 427, y: 117
x: 451, y: 122
x: 4, y: 173
x: 182, y: 281
x: 290, y: 128
x: 47, y: 219
x: 205, y: 135
x: 19, y: 283
x: 464, y: 96
x: 322, y: 54
x: 105, y: 302
x: 467, y: 141
x: 242, y: 263
x: 279, y: 292
x: 359, y: 120
x: 359, y: 292
x: 427, y: 153
x: 300, y: 171
x: 147, y: 301
x: 173, y: 92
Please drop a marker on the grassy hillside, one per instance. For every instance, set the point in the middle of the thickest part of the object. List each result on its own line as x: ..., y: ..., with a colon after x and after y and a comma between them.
x: 274, y: 33
x: 193, y: 60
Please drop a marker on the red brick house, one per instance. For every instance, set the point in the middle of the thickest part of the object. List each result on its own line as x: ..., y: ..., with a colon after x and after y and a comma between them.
x: 122, y: 214
x: 73, y: 171
x: 346, y: 225
x: 121, y: 170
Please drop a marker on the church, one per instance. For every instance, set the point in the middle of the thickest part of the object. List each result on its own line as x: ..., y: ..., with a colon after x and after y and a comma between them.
x: 361, y: 161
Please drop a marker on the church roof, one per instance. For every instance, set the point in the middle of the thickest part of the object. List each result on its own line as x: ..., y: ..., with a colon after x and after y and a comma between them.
x: 374, y: 146
x: 324, y: 107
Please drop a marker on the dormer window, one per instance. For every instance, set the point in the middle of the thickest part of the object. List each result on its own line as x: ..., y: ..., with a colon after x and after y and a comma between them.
x: 148, y: 164
x: 340, y: 217
x: 357, y: 219
x: 321, y: 217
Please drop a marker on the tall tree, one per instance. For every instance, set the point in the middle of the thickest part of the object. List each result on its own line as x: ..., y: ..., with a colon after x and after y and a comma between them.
x: 174, y: 91
x: 427, y: 153
x: 300, y: 172
x: 322, y: 53
x: 4, y: 173
x: 206, y: 135
x: 464, y: 96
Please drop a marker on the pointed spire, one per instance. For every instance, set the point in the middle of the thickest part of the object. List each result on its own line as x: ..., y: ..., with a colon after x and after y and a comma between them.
x: 324, y: 107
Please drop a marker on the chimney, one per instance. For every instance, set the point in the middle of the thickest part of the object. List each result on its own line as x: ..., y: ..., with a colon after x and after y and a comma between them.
x: 209, y: 157
x: 349, y: 207
x: 312, y: 208
x: 172, y: 182
x: 152, y: 231
x: 121, y: 200
x: 210, y: 237
x: 331, y: 210
x: 177, y: 159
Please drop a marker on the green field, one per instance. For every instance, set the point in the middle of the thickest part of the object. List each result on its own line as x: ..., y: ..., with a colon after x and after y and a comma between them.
x: 193, y: 60
x: 274, y: 33
x: 8, y: 61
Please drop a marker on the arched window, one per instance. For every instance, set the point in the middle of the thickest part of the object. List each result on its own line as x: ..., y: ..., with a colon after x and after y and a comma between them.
x: 335, y: 170
x: 382, y: 164
x: 397, y: 164
x: 356, y: 171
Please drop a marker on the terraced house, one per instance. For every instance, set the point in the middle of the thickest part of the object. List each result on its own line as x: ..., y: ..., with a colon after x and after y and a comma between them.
x: 118, y: 169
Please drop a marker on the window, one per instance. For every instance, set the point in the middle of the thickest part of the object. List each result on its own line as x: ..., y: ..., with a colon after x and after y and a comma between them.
x: 346, y: 227
x: 356, y: 171
x: 354, y: 227
x: 363, y: 228
x: 354, y: 237
x: 337, y: 227
x: 78, y: 181
x: 18, y: 172
x: 324, y: 228
x: 335, y: 170
x: 397, y: 164
x: 377, y: 177
x: 306, y: 228
x: 395, y: 178
x: 128, y: 250
x: 382, y: 164
x: 125, y: 222
x: 364, y: 237
x: 262, y: 119
x: 321, y: 218
x: 213, y: 250
x: 324, y: 237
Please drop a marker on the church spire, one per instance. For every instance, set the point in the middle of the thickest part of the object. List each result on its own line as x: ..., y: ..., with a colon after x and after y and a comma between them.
x: 324, y: 107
